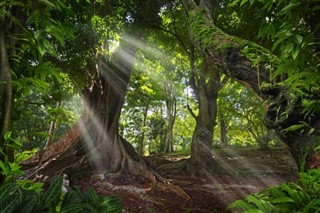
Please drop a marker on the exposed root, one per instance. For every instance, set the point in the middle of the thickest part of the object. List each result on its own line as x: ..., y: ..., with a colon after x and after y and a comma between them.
x: 175, y: 189
x: 173, y: 167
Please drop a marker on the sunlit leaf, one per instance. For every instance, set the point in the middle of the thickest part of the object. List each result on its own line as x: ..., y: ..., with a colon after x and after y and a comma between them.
x: 294, y: 127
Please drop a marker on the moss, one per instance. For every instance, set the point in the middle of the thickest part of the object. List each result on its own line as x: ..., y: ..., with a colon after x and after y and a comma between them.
x: 208, y: 36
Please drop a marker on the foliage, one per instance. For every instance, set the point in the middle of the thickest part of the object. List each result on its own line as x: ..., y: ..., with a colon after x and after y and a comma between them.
x: 26, y: 196
x: 24, y: 155
x: 9, y: 169
x: 293, y: 28
x: 34, y: 112
x: 303, y: 196
x: 244, y: 115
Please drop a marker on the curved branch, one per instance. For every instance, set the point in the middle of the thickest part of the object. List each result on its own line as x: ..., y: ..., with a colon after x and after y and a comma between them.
x: 191, y: 112
x: 226, y: 50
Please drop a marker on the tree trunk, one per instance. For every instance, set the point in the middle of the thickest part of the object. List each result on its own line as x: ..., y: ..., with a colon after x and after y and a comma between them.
x: 171, y: 106
x: 52, y: 128
x: 282, y: 109
x: 206, y: 85
x: 141, y: 145
x: 6, y: 98
x: 94, y: 142
x: 223, y: 131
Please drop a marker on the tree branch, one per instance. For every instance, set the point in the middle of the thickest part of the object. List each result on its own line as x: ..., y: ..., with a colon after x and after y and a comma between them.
x: 218, y: 45
x: 174, y: 34
x: 191, y: 112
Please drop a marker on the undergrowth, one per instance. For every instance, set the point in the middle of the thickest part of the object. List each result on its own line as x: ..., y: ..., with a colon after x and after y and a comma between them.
x: 302, y: 196
x: 29, y: 197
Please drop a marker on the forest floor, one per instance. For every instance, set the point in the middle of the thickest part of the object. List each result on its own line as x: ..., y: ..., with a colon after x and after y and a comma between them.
x: 238, y: 172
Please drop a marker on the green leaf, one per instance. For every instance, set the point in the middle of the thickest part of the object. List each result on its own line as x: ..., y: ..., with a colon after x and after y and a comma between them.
x: 72, y: 196
x: 312, y: 206
x: 286, y: 9
x: 53, y: 192
x: 16, y: 168
x: 72, y: 208
x: 243, y: 2
x: 7, y: 135
x: 241, y: 204
x: 4, y: 168
x: 262, y: 205
x: 28, y: 205
x: 294, y: 127
x: 92, y: 196
x: 7, y: 205
x: 111, y: 204
x: 89, y: 208
x: 48, y: 3
x: 283, y: 200
x: 40, y: 85
x: 311, y: 131
x: 56, y: 32
x: 277, y: 42
x: 7, y: 189
x: 295, y: 52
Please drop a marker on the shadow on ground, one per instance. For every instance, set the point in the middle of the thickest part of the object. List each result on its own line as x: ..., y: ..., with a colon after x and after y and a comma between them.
x: 237, y: 173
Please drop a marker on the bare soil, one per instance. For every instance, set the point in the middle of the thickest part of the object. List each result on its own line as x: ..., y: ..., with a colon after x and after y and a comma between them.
x: 236, y: 173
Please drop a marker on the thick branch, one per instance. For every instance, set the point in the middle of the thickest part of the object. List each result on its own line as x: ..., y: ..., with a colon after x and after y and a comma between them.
x: 228, y: 51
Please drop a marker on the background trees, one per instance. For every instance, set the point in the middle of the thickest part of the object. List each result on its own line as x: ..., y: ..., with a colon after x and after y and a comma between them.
x: 92, y: 47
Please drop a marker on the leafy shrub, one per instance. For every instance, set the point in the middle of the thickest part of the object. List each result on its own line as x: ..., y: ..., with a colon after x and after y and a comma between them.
x: 24, y: 155
x: 25, y: 197
x: 303, y: 196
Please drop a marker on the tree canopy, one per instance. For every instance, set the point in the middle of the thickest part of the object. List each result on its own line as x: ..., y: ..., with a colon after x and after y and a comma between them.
x: 148, y: 77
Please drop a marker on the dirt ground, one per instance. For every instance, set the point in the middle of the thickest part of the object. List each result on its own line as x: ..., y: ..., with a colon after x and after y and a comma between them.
x: 238, y: 172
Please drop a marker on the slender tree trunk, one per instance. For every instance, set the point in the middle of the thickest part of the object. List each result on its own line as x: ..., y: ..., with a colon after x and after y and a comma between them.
x: 6, y: 98
x: 171, y: 107
x: 52, y: 128
x: 6, y: 93
x: 144, y: 123
x: 223, y: 130
x: 94, y: 142
x: 282, y: 109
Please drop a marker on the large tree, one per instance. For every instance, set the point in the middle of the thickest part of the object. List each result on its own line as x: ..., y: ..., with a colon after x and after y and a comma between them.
x: 206, y: 84
x: 204, y: 79
x: 94, y: 142
x: 251, y: 64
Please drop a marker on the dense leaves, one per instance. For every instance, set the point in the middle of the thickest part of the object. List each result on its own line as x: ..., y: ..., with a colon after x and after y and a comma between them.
x: 303, y: 196
x: 26, y: 196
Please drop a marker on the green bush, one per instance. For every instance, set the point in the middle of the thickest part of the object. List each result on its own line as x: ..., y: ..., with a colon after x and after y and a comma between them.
x: 25, y: 197
x: 303, y: 196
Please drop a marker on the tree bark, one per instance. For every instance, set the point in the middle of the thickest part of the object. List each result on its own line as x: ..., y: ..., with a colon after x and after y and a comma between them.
x: 206, y: 85
x: 282, y: 109
x: 6, y: 98
x: 94, y: 142
x: 171, y: 106
x: 223, y: 130
x: 141, y: 145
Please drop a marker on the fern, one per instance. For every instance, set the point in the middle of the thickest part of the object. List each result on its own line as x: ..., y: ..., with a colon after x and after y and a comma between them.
x: 23, y: 198
x: 53, y: 193
x: 303, y: 196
